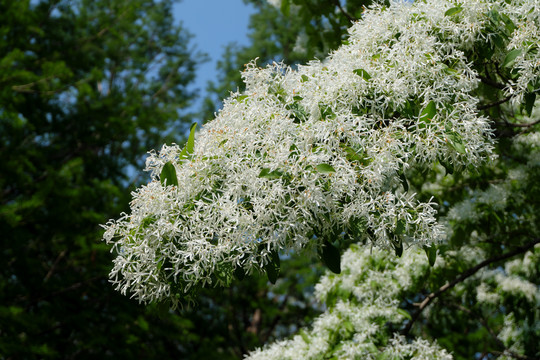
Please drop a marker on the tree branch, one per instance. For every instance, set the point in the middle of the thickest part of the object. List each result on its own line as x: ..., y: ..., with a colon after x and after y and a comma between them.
x: 502, y: 101
x: 464, y: 275
x: 491, y: 83
x: 509, y: 124
x: 344, y: 12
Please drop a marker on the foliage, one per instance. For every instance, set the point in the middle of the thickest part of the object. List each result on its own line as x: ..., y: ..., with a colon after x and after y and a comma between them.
x: 86, y: 87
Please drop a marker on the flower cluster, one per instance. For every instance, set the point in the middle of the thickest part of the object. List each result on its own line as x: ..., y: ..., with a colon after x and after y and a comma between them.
x: 362, y: 300
x: 318, y: 157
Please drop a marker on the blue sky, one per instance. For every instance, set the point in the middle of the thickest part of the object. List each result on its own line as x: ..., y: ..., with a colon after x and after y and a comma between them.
x: 214, y: 24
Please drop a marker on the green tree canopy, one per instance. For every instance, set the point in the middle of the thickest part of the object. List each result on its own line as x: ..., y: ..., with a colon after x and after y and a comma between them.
x: 86, y: 88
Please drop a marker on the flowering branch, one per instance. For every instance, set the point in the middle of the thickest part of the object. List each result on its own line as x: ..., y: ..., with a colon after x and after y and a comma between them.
x: 317, y: 158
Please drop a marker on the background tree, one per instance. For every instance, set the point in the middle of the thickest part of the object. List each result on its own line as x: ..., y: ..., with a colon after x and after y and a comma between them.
x: 86, y: 88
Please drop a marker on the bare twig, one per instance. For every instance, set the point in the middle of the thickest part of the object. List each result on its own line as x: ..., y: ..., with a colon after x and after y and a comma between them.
x: 55, y: 264
x: 344, y: 12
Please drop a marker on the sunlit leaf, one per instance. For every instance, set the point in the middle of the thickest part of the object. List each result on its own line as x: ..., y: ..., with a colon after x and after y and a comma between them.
x: 191, y: 139
x: 267, y: 174
x: 168, y: 175
x: 363, y: 73
x: 325, y: 169
x: 427, y: 114
x: 510, y: 58
x: 453, y: 11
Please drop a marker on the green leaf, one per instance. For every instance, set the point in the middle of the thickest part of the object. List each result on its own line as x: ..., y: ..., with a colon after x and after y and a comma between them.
x: 530, y: 98
x: 498, y: 41
x: 400, y: 227
x: 510, y: 58
x: 267, y: 174
x: 363, y: 73
x: 404, y: 182
x: 168, y: 175
x: 453, y: 11
x: 223, y: 142
x: 325, y: 169
x: 147, y: 221
x: 191, y: 139
x: 448, y: 166
x: 509, y: 24
x: 304, y: 78
x: 455, y: 141
x: 398, y: 246
x: 352, y: 155
x: 357, y: 226
x: 242, y: 98
x: 331, y: 257
x: 405, y: 313
x: 431, y: 252
x: 239, y: 273
x: 272, y: 268
x: 427, y: 114
x: 285, y: 7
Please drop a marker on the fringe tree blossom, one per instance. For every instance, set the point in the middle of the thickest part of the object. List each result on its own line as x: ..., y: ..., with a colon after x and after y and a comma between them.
x: 362, y: 300
x: 316, y: 158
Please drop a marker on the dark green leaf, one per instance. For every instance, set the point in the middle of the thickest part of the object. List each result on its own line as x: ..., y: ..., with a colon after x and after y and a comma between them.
x: 325, y: 169
x: 398, y: 246
x: 363, y: 73
x: 404, y: 182
x: 272, y: 268
x: 431, y: 252
x: 357, y: 227
x: 400, y: 227
x: 331, y: 257
x: 239, y: 273
x: 498, y: 41
x: 168, y: 175
x: 530, y: 98
x: 510, y: 26
x: 448, y: 166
